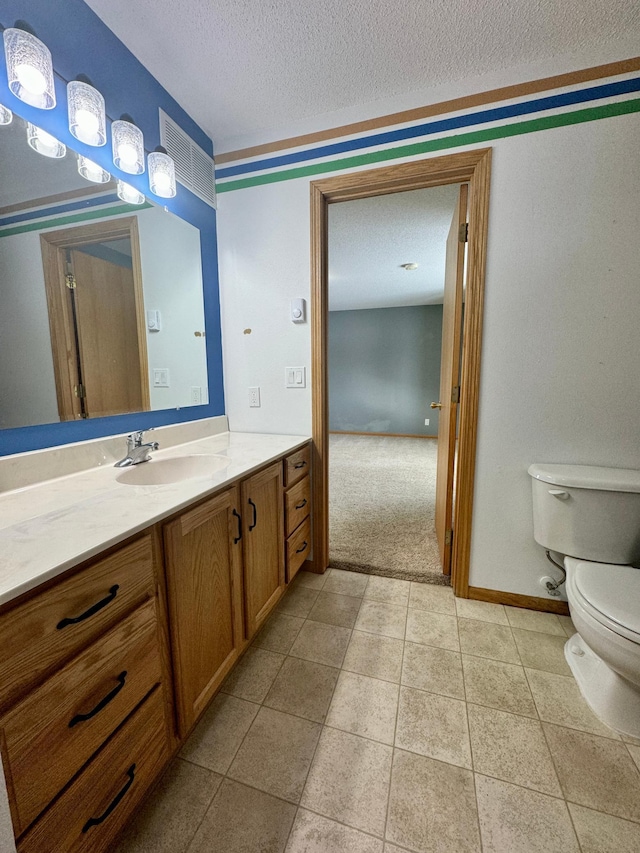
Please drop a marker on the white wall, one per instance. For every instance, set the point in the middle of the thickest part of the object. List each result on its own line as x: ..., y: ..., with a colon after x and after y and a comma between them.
x: 561, y: 348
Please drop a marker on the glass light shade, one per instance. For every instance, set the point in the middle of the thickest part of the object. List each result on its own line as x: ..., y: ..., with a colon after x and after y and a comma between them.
x: 129, y: 194
x: 128, y: 147
x: 91, y: 171
x: 6, y: 116
x: 44, y: 143
x: 87, y: 120
x: 162, y: 174
x: 29, y: 69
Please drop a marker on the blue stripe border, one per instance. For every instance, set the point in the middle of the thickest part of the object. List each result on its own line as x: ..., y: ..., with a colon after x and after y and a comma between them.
x: 44, y: 212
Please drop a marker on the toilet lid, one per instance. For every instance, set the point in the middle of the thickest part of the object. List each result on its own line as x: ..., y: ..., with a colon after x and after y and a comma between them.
x: 614, y: 591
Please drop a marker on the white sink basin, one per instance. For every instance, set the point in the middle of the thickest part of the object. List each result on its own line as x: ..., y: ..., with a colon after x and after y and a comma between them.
x: 158, y: 472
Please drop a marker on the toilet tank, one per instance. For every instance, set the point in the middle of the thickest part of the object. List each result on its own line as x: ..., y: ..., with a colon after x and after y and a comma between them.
x: 587, y: 512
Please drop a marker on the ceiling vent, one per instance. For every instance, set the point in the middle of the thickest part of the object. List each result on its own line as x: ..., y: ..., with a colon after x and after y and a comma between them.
x: 194, y: 167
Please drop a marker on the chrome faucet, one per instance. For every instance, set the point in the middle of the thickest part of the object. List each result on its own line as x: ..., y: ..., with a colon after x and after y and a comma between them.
x: 137, y: 452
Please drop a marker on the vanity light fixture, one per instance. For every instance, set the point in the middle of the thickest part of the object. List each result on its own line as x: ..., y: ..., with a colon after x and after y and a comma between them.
x: 91, y: 171
x: 44, y: 143
x: 128, y: 146
x: 29, y: 67
x: 129, y: 194
x: 162, y: 173
x: 6, y: 116
x: 87, y: 118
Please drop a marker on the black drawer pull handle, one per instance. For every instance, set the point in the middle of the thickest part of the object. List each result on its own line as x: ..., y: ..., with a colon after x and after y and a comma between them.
x: 303, y: 548
x: 237, y: 538
x: 300, y: 464
x: 115, y: 802
x: 91, y: 611
x: 304, y: 503
x: 255, y: 515
x: 80, y: 718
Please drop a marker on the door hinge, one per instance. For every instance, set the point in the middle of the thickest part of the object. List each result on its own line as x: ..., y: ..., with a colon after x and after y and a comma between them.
x: 448, y: 537
x: 70, y: 281
x: 455, y: 394
x: 463, y: 232
x: 80, y: 391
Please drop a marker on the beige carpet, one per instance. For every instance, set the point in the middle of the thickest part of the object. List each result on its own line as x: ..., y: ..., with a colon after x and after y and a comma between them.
x: 381, y: 507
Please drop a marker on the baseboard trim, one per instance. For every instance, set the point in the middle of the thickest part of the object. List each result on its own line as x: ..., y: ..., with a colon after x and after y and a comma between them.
x: 387, y: 434
x: 514, y: 599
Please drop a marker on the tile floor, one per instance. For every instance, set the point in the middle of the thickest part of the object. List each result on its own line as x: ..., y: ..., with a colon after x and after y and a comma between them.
x: 373, y: 715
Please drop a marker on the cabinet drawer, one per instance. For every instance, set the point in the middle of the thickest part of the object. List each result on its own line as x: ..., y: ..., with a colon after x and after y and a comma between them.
x: 298, y: 547
x: 297, y: 504
x: 297, y: 465
x: 38, y: 636
x: 97, y: 804
x: 65, y: 721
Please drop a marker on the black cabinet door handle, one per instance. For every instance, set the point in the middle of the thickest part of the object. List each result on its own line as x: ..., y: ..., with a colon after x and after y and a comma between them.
x: 91, y: 611
x: 302, y: 548
x: 237, y: 538
x: 300, y: 464
x: 300, y: 505
x: 115, y: 802
x: 80, y: 718
x: 255, y: 515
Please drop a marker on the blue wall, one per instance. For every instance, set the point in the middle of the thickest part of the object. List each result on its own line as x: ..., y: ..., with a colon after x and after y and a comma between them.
x: 81, y: 44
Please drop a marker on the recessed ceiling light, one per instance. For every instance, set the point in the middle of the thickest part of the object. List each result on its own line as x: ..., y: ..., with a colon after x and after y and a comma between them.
x: 409, y: 266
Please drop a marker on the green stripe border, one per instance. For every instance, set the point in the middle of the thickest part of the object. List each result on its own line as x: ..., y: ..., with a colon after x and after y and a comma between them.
x: 475, y: 137
x: 105, y: 213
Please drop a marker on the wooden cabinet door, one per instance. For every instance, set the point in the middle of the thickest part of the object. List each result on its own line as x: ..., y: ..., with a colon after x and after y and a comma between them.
x: 263, y: 539
x: 204, y: 586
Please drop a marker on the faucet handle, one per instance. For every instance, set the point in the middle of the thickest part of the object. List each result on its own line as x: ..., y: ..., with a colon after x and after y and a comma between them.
x: 135, y: 438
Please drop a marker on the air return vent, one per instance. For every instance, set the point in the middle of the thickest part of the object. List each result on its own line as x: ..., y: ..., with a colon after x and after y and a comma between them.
x: 194, y: 167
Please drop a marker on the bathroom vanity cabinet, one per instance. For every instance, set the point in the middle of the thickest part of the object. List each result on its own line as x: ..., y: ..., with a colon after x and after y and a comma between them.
x: 105, y: 670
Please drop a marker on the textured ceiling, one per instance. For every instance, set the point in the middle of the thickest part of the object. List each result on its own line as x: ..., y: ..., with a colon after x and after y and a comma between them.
x: 370, y: 238
x: 239, y: 66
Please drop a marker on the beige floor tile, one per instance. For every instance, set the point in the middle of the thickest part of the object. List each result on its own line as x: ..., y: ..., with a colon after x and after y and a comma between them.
x: 254, y: 675
x: 312, y: 833
x: 602, y: 833
x: 595, y: 772
x: 168, y: 820
x: 217, y: 737
x: 558, y: 700
x: 567, y: 624
x: 346, y: 583
x: 484, y: 611
x: 311, y: 579
x: 432, y: 725
x: 276, y: 754
x: 279, y: 632
x: 487, y: 640
x: 389, y: 590
x: 541, y: 651
x: 516, y: 820
x: 303, y: 688
x: 497, y: 685
x: 298, y: 601
x: 635, y: 754
x: 511, y: 748
x: 630, y: 739
x: 433, y: 629
x: 433, y: 669
x: 364, y: 706
x: 334, y: 609
x: 374, y: 655
x: 535, y: 620
x: 243, y: 820
x: 321, y: 643
x: 349, y: 781
x: 438, y: 599
x: 432, y: 806
x: 376, y: 617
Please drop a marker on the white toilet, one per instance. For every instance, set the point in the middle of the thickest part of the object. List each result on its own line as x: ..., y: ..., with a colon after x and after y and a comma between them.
x: 592, y: 516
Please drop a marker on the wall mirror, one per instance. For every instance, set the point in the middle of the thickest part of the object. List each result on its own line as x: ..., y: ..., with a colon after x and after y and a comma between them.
x: 102, y: 309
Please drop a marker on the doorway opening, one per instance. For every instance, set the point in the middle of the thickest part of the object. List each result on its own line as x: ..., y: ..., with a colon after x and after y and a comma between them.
x: 471, y: 168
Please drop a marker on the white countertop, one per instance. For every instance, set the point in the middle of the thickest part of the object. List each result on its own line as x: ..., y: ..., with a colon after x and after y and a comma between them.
x: 49, y: 527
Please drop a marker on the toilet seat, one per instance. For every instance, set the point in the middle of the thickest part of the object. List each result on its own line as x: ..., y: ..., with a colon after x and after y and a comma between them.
x: 608, y: 593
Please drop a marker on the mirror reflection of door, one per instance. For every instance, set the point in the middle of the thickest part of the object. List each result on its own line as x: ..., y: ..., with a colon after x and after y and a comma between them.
x: 96, y: 317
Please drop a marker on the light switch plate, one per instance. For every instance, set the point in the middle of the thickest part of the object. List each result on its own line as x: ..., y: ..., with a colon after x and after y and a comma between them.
x: 295, y: 377
x: 160, y: 377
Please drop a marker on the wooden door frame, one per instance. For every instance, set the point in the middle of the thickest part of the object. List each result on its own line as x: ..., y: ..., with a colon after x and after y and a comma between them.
x: 53, y: 244
x: 474, y: 168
